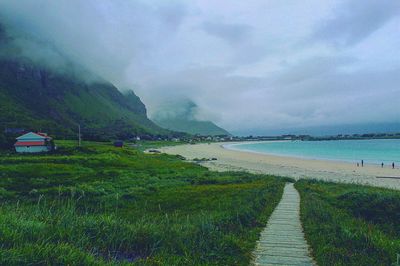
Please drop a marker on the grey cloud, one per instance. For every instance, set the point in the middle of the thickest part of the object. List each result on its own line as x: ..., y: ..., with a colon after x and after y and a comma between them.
x: 240, y: 37
x: 232, y: 33
x: 104, y: 37
x: 229, y: 63
x: 356, y: 20
x: 313, y: 67
x: 172, y: 14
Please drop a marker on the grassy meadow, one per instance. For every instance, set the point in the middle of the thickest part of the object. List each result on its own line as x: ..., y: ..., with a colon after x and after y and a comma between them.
x: 350, y: 224
x: 100, y: 205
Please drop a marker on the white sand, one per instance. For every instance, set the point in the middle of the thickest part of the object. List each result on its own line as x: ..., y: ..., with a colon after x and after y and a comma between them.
x: 287, y: 166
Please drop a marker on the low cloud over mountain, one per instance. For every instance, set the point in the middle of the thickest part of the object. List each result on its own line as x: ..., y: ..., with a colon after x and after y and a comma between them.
x: 252, y: 66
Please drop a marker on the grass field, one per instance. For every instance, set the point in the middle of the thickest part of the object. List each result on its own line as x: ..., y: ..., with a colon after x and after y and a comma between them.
x: 144, y: 145
x: 350, y: 224
x: 100, y: 205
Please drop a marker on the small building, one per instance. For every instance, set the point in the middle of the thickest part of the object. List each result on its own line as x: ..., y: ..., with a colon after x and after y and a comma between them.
x: 118, y: 143
x: 34, y: 142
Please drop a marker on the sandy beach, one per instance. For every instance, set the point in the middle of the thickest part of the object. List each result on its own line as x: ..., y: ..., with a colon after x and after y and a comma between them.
x: 296, y: 168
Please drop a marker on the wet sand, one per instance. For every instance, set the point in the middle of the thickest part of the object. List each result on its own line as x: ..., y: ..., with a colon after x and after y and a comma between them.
x: 297, y: 168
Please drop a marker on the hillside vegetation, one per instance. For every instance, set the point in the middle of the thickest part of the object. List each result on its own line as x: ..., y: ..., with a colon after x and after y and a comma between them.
x: 35, y: 98
x: 350, y: 224
x: 100, y: 205
x: 55, y: 99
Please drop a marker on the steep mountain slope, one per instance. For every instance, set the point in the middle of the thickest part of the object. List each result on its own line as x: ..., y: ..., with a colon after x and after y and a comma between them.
x: 36, y: 97
x: 180, y: 116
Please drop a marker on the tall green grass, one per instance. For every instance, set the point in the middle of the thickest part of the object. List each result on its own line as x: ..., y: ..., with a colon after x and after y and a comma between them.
x: 100, y: 205
x: 350, y: 224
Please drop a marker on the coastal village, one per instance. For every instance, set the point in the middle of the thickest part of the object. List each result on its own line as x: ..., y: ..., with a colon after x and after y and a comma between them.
x: 34, y: 142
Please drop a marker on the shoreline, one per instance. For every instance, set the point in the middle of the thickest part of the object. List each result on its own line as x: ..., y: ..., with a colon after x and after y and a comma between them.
x: 297, y: 168
x: 231, y: 146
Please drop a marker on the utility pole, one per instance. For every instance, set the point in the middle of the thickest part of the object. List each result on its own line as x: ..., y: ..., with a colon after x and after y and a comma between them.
x: 79, y: 135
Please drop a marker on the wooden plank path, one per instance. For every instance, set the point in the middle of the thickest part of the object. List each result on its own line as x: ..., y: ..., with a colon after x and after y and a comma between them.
x: 282, y: 241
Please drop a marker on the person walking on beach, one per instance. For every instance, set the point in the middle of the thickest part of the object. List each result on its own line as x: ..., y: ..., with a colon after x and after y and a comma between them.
x: 362, y: 163
x: 393, y: 165
x: 382, y: 165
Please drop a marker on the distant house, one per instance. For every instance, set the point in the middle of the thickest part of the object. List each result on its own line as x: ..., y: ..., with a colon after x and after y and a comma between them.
x: 118, y: 143
x: 34, y: 142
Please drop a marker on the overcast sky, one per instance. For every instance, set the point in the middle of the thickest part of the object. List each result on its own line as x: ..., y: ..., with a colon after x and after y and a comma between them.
x: 255, y: 66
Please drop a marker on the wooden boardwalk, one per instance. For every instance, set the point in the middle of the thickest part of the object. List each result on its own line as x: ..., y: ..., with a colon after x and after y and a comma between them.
x: 282, y: 241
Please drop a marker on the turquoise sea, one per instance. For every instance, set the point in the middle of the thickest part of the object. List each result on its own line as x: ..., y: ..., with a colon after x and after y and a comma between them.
x: 373, y: 151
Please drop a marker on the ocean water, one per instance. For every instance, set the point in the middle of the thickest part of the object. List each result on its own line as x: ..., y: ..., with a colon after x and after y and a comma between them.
x: 373, y: 151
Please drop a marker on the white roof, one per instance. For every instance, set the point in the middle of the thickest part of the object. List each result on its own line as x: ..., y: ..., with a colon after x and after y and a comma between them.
x: 33, y: 136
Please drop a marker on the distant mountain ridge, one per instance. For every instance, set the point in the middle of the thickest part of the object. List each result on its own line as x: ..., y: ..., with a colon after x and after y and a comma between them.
x: 180, y: 116
x: 204, y: 128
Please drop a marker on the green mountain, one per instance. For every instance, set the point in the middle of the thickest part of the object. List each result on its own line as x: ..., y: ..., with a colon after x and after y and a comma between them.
x: 180, y: 116
x: 204, y: 128
x: 38, y: 97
